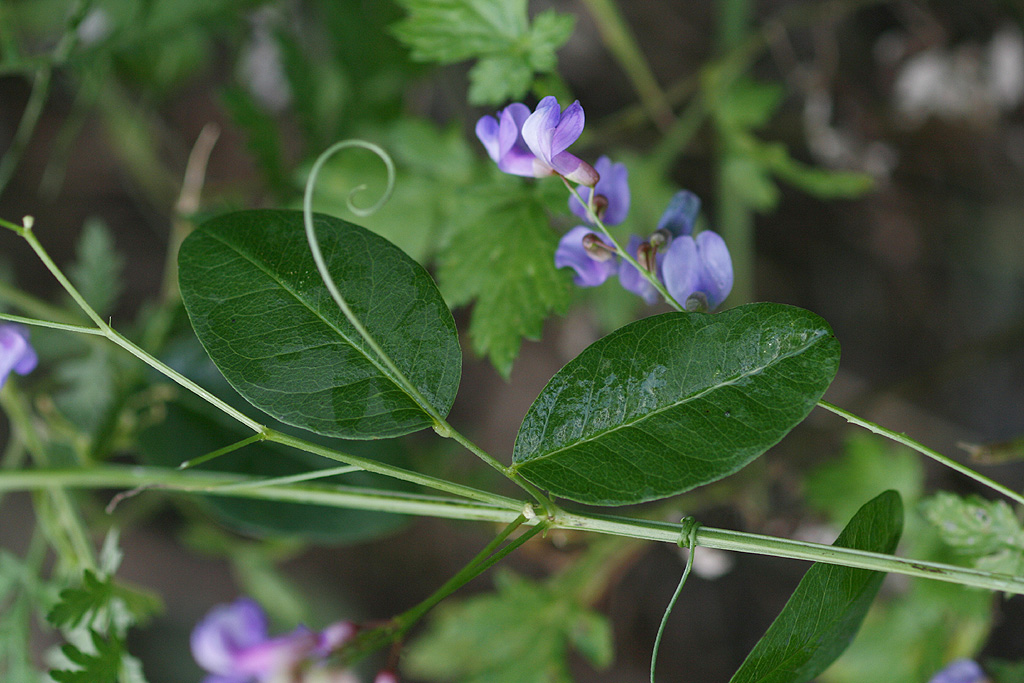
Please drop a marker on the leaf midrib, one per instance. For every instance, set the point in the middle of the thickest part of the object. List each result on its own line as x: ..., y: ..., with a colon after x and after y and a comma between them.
x: 259, y: 265
x: 819, y: 334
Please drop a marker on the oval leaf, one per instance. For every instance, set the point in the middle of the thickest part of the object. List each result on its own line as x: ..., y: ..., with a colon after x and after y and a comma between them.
x: 825, y: 611
x: 261, y: 311
x: 674, y: 401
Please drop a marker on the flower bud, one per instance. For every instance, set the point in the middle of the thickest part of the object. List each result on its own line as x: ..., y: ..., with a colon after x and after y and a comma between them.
x: 596, y: 248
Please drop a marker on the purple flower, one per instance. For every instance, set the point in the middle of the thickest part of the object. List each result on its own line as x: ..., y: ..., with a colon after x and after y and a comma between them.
x: 15, y: 352
x: 611, y: 199
x: 698, y: 267
x: 534, y: 144
x: 960, y: 671
x: 632, y: 279
x: 582, y: 250
x: 681, y: 214
x: 503, y: 139
x: 232, y: 643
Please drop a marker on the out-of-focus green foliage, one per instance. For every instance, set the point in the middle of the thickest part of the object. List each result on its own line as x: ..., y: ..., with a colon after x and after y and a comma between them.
x: 520, y: 634
x: 509, y: 49
x: 911, y: 633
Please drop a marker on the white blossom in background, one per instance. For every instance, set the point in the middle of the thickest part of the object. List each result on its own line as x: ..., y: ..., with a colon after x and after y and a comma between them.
x: 966, y: 82
x: 260, y: 66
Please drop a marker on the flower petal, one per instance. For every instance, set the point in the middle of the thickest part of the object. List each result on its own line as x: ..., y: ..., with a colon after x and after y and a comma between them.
x: 960, y: 671
x: 571, y: 253
x: 681, y: 268
x: 574, y: 169
x: 225, y: 632
x: 716, y: 276
x: 681, y: 214
x: 569, y: 128
x: 15, y: 352
x: 487, y: 129
x: 539, y: 128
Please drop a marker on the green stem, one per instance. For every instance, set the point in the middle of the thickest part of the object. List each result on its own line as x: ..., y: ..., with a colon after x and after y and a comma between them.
x: 37, y: 97
x: 441, y: 426
x: 735, y: 220
x: 377, y: 467
x: 483, y: 561
x: 923, y: 450
x: 623, y: 45
x: 211, y: 483
x: 262, y: 432
x: 651, y: 277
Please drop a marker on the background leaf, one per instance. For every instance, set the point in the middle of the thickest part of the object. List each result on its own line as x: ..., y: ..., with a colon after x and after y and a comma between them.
x: 521, y: 634
x: 191, y: 429
x: 675, y: 401
x: 497, y: 32
x: 826, y: 609
x: 502, y: 255
x: 261, y: 311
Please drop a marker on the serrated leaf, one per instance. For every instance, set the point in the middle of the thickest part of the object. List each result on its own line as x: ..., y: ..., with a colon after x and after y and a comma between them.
x: 498, y: 32
x: 675, y: 401
x: 975, y: 526
x: 827, y: 607
x: 98, y: 266
x: 503, y: 256
x: 102, y: 666
x: 77, y: 603
x: 498, y: 78
x: 520, y: 634
x: 265, y: 317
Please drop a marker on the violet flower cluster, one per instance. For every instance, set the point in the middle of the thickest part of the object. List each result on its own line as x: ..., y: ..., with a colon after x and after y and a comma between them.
x: 233, y: 645
x: 16, y: 354
x: 696, y: 271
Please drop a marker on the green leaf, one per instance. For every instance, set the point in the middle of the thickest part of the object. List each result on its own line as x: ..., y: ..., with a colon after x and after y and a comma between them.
x: 675, y: 401
x: 102, y: 666
x: 985, y: 530
x: 503, y: 256
x: 265, y: 317
x: 520, y: 634
x: 78, y: 603
x: 498, y: 32
x: 191, y: 429
x: 827, y: 607
x: 83, y: 603
x: 98, y: 267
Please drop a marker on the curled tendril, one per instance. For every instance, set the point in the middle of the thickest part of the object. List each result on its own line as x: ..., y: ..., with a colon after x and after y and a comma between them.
x: 687, y: 535
x: 307, y: 216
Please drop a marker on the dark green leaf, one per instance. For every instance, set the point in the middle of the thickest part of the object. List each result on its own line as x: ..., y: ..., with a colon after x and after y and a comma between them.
x: 675, y: 401
x: 261, y: 311
x: 826, y: 609
x: 102, y: 666
x: 521, y: 634
x: 503, y: 256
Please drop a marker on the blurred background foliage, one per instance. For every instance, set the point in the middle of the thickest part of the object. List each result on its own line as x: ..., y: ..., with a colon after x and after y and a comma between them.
x: 864, y: 159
